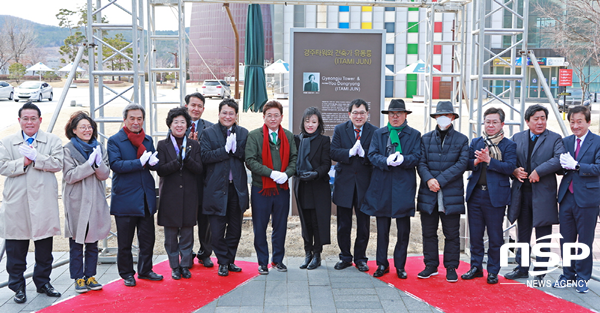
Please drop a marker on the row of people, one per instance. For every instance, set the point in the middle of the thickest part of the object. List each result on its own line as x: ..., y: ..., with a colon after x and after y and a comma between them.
x: 375, y: 175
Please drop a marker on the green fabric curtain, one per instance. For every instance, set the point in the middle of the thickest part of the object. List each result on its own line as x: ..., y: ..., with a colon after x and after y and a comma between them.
x: 255, y: 87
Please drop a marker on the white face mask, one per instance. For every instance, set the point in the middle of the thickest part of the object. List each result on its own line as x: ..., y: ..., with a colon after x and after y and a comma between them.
x: 443, y: 122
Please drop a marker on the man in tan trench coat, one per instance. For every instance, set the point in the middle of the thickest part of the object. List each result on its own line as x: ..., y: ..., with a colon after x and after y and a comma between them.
x: 29, y: 208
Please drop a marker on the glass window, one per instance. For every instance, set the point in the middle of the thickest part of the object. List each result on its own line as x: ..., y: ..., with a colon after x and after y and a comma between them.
x: 390, y: 27
x: 389, y: 48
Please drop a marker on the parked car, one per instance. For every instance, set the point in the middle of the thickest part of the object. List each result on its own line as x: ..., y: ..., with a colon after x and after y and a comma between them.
x: 6, y: 91
x: 576, y: 98
x: 36, y: 91
x: 216, y: 88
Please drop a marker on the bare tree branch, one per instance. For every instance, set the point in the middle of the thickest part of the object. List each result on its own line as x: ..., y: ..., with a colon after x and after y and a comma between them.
x: 20, y: 36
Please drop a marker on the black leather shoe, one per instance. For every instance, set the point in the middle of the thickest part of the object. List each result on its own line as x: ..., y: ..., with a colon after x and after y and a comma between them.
x: 401, y: 273
x: 315, y: 262
x: 48, y: 290
x: 234, y: 268
x: 151, y: 276
x: 176, y: 273
x: 362, y: 266
x: 20, y: 296
x: 185, y: 273
x: 207, y: 262
x: 492, y: 278
x: 223, y: 270
x: 472, y: 273
x: 129, y: 281
x: 516, y: 273
x: 381, y: 270
x: 307, y: 258
x: 342, y: 265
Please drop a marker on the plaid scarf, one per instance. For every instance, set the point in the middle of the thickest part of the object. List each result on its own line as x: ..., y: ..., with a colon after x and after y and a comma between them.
x: 492, y: 143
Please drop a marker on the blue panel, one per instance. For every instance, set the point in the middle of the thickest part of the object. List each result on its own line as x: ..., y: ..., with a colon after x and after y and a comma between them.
x: 389, y: 86
x: 390, y: 27
x: 389, y: 48
x: 391, y: 68
x: 390, y: 9
x: 344, y: 25
x: 344, y: 8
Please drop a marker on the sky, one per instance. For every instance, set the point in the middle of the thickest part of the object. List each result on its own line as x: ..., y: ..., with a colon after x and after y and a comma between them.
x: 44, y: 11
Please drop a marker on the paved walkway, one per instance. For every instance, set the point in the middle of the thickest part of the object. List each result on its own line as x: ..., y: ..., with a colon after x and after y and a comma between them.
x: 322, y: 290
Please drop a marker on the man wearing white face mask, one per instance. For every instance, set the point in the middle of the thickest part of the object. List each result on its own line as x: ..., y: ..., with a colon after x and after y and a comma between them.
x: 444, y: 157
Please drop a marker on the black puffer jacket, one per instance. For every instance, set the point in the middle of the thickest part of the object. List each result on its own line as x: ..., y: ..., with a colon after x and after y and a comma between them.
x: 446, y: 164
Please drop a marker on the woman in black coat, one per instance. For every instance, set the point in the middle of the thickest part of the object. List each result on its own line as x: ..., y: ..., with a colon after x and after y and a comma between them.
x: 178, y: 167
x: 311, y: 186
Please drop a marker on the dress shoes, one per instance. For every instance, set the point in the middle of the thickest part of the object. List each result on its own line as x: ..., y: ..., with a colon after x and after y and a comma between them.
x: 307, y: 258
x: 492, y: 278
x: 401, y: 273
x: 129, y: 281
x: 185, y: 273
x: 362, y: 266
x: 342, y: 265
x: 48, y: 290
x: 207, y: 262
x: 315, y: 262
x: 381, y: 270
x: 223, y: 270
x: 20, y: 296
x: 234, y: 268
x: 516, y: 273
x: 474, y: 272
x: 151, y: 276
x: 176, y: 273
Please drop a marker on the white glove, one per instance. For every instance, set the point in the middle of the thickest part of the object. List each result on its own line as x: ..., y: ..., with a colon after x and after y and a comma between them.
x: 92, y: 159
x: 233, y: 142
x: 354, y: 150
x: 282, y: 178
x: 398, y: 160
x: 391, y: 158
x: 567, y: 161
x: 361, y: 151
x: 28, y: 151
x: 153, y: 159
x: 275, y: 175
x: 98, y: 160
x: 144, y: 157
x: 229, y: 143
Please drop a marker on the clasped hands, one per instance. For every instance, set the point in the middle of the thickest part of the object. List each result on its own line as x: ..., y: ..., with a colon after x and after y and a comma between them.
x: 482, y: 155
x: 149, y: 157
x: 95, y: 157
x: 521, y: 174
x: 395, y: 159
x: 230, y: 144
x: 567, y: 162
x: 279, y: 177
x: 357, y: 149
x: 28, y: 152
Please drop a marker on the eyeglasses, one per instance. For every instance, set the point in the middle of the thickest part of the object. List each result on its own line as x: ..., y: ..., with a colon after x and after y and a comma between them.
x: 230, y: 114
x: 273, y: 116
x: 396, y: 114
x: 488, y: 122
x: 359, y: 112
x: 27, y: 119
x: 84, y: 128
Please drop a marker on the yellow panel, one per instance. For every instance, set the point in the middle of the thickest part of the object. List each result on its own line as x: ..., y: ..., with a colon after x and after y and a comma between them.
x: 367, y: 9
x: 367, y: 26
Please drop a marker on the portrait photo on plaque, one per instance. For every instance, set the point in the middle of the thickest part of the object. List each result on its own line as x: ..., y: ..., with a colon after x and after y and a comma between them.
x: 311, y: 82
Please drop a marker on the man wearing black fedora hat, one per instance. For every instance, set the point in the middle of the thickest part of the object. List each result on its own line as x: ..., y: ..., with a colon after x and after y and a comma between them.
x: 395, y: 152
x: 444, y: 157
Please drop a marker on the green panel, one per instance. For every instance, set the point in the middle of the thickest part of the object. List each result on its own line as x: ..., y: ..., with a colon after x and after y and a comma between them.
x: 411, y: 85
x: 413, y: 9
x: 413, y: 29
x: 412, y: 48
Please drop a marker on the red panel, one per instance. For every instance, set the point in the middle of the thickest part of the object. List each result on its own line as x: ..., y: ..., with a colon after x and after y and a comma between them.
x: 438, y: 67
x: 436, y: 88
x: 437, y: 49
x: 437, y: 27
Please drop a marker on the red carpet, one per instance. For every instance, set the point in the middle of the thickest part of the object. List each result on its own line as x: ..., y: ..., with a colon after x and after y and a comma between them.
x: 167, y: 295
x: 473, y: 295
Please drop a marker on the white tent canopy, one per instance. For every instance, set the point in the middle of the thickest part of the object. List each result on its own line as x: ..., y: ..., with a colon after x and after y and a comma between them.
x: 40, y: 67
x: 279, y: 67
x: 68, y: 67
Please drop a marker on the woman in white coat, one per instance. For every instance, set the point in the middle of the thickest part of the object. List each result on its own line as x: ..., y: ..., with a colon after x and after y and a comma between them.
x: 87, y: 215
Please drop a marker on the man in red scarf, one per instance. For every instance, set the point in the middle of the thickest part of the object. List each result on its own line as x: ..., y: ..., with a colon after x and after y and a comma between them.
x: 271, y: 157
x: 133, y: 197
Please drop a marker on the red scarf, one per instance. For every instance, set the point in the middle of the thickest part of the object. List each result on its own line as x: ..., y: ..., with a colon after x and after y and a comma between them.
x: 137, y: 140
x: 269, y: 186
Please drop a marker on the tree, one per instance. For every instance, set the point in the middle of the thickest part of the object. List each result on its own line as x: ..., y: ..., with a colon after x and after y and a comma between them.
x: 75, y: 22
x: 117, y: 61
x: 17, y: 71
x: 19, y: 37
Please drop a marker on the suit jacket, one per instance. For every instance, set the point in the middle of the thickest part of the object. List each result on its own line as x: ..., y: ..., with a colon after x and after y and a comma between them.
x: 350, y: 172
x: 317, y: 189
x: 217, y: 164
x: 545, y: 160
x: 178, y: 199
x: 131, y: 182
x: 586, y: 181
x: 498, y: 172
x: 392, y: 189
x: 202, y: 125
x: 311, y: 86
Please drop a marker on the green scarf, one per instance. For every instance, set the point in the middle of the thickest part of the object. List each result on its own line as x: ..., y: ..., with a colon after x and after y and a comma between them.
x: 395, y: 135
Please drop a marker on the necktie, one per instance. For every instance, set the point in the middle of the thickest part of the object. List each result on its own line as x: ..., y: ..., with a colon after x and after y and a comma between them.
x: 193, y: 130
x: 357, y: 130
x: 534, y: 137
x: 576, y: 154
x: 274, y: 135
x: 30, y: 140
x: 230, y: 174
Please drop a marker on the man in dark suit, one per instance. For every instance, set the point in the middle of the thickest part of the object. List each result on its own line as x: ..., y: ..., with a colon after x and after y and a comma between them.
x: 226, y: 184
x: 311, y: 85
x: 533, y: 202
x: 195, y: 104
x: 578, y: 196
x: 492, y: 158
x: 351, y: 141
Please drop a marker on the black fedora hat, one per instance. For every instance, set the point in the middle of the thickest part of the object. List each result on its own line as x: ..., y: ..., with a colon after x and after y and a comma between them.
x: 444, y: 107
x: 396, y: 105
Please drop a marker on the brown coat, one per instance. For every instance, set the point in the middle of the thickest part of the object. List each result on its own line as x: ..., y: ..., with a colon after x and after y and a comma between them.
x: 84, y: 197
x: 178, y: 188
